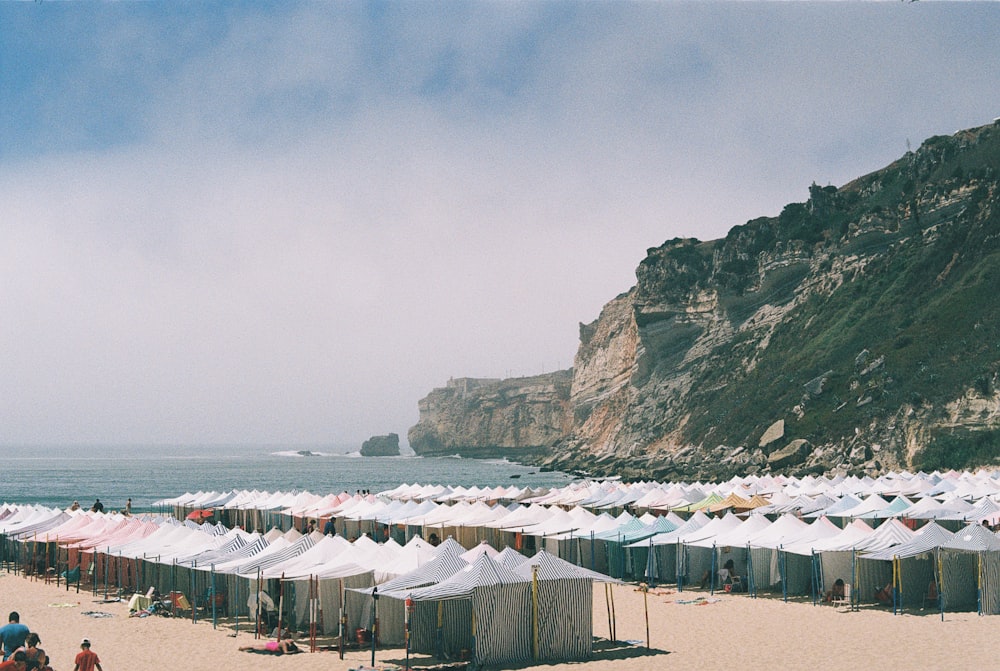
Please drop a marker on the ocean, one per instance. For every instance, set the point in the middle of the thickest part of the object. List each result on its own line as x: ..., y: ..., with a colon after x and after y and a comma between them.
x: 55, y: 476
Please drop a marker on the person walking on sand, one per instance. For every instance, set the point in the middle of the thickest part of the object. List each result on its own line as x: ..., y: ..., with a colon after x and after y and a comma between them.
x: 87, y: 659
x: 33, y: 653
x: 13, y: 634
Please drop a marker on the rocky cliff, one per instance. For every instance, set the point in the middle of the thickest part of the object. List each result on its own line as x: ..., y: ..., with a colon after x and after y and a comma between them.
x: 856, y: 331
x: 517, y: 418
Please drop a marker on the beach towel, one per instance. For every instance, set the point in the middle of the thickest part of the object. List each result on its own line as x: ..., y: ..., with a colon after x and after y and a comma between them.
x: 96, y: 613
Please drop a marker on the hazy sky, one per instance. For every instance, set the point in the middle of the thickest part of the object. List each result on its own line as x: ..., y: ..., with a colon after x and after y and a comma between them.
x: 287, y: 222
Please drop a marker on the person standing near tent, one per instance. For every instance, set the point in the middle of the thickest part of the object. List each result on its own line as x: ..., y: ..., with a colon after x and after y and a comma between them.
x: 329, y: 529
x: 98, y: 507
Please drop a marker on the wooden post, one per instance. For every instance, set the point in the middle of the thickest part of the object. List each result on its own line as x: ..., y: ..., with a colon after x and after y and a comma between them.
x: 645, y: 606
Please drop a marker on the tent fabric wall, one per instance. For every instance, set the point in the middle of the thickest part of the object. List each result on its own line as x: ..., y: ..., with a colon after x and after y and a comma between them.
x: 798, y: 572
x: 959, y: 584
x: 456, y: 630
x: 566, y: 619
x: 329, y: 599
x: 764, y: 564
x: 503, y: 632
x: 991, y: 583
x: 871, y: 576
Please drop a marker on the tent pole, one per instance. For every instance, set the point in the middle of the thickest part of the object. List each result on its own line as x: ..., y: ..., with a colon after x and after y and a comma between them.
x: 651, y: 565
x: 614, y: 619
x: 979, y: 583
x: 854, y: 578
x: 645, y: 607
x: 677, y: 566
x: 711, y: 576
x: 281, y: 604
x: 258, y: 609
x: 899, y: 569
x: 781, y: 568
x: 534, y: 612
x: 215, y: 614
x: 236, y: 629
x: 894, y: 583
x: 343, y: 619
x: 194, y: 597
x: 940, y: 569
x: 607, y: 604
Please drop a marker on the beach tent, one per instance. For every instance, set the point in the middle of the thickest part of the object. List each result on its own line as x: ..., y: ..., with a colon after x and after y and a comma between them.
x: 484, y: 608
x: 358, y: 601
x: 910, y: 566
x: 780, y: 555
x: 837, y: 557
x: 667, y: 563
x: 970, y: 570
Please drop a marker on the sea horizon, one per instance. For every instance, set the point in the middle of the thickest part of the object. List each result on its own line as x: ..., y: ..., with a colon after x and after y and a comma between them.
x: 56, y: 475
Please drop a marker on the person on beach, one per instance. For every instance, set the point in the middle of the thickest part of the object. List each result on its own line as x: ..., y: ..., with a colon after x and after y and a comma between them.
x: 284, y: 647
x: 725, y: 573
x: 128, y: 506
x: 87, y: 659
x: 268, y: 614
x: 98, y: 507
x: 837, y: 592
x: 884, y: 595
x: 13, y: 634
x: 75, y: 506
x: 328, y: 528
x: 33, y: 653
x: 16, y: 663
x: 311, y: 527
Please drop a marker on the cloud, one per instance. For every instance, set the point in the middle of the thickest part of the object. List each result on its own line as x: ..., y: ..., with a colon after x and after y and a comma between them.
x: 272, y: 224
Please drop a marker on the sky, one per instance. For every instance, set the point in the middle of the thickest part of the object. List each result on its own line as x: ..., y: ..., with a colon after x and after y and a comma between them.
x: 287, y: 222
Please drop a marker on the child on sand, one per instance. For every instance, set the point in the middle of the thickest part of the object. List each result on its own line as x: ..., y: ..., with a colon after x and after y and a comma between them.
x: 87, y: 659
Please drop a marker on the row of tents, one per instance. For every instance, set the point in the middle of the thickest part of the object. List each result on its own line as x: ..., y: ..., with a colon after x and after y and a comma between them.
x: 652, y: 531
x: 495, y: 606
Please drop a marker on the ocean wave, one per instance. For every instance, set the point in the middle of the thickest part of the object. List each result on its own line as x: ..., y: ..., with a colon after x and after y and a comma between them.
x: 300, y: 453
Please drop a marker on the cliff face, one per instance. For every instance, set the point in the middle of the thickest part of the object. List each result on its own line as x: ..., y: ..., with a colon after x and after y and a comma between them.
x: 516, y: 418
x: 857, y: 331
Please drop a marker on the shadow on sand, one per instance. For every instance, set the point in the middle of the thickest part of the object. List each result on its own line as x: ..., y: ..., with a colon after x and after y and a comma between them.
x: 604, y: 650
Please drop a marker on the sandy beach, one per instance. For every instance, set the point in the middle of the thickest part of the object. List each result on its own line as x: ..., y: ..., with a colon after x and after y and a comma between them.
x: 724, y: 631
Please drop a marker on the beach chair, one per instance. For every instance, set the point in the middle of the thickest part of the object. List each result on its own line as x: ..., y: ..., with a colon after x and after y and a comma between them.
x: 216, y: 599
x: 179, y: 602
x: 845, y: 598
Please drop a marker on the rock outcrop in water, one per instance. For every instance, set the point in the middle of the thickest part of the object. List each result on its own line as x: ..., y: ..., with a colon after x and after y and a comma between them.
x: 857, y: 331
x: 381, y: 446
